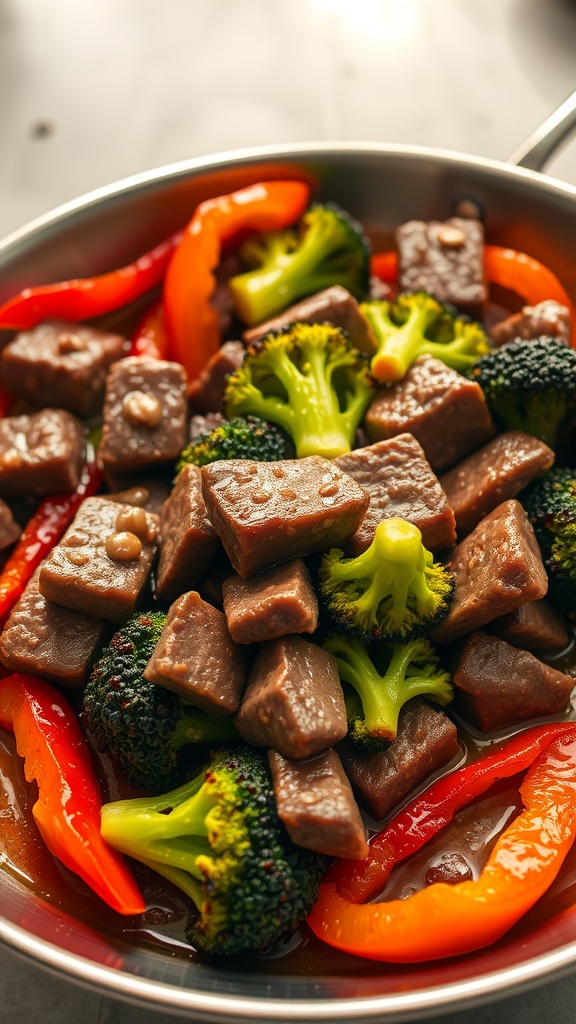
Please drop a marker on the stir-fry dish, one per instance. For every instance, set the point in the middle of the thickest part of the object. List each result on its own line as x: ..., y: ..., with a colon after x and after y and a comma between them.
x: 289, y: 576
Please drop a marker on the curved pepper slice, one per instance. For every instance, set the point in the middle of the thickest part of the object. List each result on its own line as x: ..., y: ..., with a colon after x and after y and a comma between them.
x: 67, y: 811
x: 191, y: 321
x: 526, y: 276
x: 149, y: 338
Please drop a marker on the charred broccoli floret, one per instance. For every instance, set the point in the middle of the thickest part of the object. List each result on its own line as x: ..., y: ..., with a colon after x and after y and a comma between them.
x: 220, y: 840
x: 246, y: 437
x: 416, y: 324
x: 311, y: 381
x: 530, y: 386
x: 384, y: 678
x: 142, y: 726
x: 393, y: 591
x: 327, y: 248
x: 550, y: 503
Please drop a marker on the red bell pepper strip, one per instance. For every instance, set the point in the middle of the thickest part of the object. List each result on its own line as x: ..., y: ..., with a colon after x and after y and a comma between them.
x: 191, y: 321
x: 527, y: 277
x: 384, y: 265
x: 149, y: 338
x: 67, y: 811
x: 83, y: 298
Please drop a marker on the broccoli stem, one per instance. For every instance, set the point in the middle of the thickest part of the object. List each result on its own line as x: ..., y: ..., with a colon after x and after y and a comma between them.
x: 398, y: 346
x: 197, y: 726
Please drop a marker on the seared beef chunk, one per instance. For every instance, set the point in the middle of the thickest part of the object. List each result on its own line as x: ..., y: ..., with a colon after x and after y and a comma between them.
x: 499, y: 685
x: 9, y: 529
x: 188, y: 539
x: 400, y: 482
x: 450, y: 868
x: 40, y: 454
x: 444, y: 411
x: 294, y: 701
x: 197, y: 658
x: 145, y: 415
x: 210, y: 588
x: 103, y: 561
x: 149, y: 492
x: 496, y: 569
x: 425, y: 741
x: 444, y: 258
x: 278, y: 601
x: 535, y: 627
x: 207, y: 392
x: 204, y: 424
x: 65, y: 363
x: 334, y: 305
x: 268, y: 512
x: 50, y: 641
x: 500, y: 470
x: 315, y: 803
x: 548, y: 319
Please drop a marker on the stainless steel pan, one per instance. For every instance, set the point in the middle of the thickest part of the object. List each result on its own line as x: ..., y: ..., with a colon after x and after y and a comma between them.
x: 382, y: 185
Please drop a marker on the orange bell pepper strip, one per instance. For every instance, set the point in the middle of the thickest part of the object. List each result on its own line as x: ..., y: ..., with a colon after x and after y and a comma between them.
x: 526, y: 276
x: 191, y: 321
x: 446, y: 920
x: 67, y: 811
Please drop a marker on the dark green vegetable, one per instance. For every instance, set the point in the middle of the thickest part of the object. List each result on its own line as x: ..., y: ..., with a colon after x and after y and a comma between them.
x: 246, y: 437
x: 551, y: 506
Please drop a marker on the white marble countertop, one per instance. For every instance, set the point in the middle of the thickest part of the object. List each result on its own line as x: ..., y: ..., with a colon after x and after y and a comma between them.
x: 95, y: 90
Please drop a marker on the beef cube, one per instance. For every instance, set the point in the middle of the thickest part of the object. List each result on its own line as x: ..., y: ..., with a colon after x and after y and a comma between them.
x: 500, y: 685
x: 204, y: 424
x: 40, y: 454
x: 334, y: 305
x: 189, y: 541
x: 103, y: 560
x: 65, y: 362
x: 294, y: 701
x: 497, y: 568
x: 317, y: 807
x: 197, y: 659
x: 535, y: 627
x: 500, y: 470
x: 210, y: 588
x: 426, y: 740
x: 269, y: 512
x: 207, y: 392
x: 50, y: 641
x: 145, y: 415
x: 9, y: 529
x: 547, y: 319
x: 445, y: 259
x: 444, y: 411
x: 150, y: 493
x: 400, y: 482
x: 274, y: 603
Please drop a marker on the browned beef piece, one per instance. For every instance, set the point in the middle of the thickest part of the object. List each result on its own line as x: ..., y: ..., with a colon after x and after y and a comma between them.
x: 317, y: 807
x: 50, y: 641
x: 149, y: 492
x: 496, y: 568
x: 444, y: 411
x: 189, y: 541
x: 210, y: 589
x: 334, y: 305
x: 500, y: 470
x: 449, y: 868
x: 445, y: 259
x: 535, y: 627
x: 268, y: 512
x: 400, y: 482
x: 294, y: 701
x: 40, y: 454
x: 426, y: 740
x: 207, y: 392
x: 204, y: 424
x: 548, y: 319
x: 499, y: 685
x: 64, y: 362
x: 278, y: 601
x: 103, y: 561
x: 145, y: 415
x: 196, y: 657
x: 10, y: 530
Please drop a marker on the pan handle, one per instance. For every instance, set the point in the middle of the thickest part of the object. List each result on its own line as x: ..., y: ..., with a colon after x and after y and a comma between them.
x: 537, y: 149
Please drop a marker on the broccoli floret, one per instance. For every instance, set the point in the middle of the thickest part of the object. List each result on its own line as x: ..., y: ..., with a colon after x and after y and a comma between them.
x: 328, y: 248
x: 393, y: 591
x: 416, y: 324
x: 219, y: 838
x: 550, y: 503
x: 241, y: 438
x: 530, y: 386
x: 311, y: 381
x: 384, y: 678
x: 142, y: 726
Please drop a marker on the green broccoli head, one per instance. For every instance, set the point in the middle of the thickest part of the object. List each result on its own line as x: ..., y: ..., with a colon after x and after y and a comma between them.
x: 393, y: 591
x: 285, y: 266
x: 416, y: 324
x: 530, y: 386
x: 308, y: 379
x: 244, y: 437
x: 220, y: 840
x: 142, y: 726
x: 550, y: 503
x: 384, y: 677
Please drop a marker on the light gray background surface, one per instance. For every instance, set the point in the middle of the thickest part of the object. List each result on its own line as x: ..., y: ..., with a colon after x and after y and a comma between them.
x: 94, y: 90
